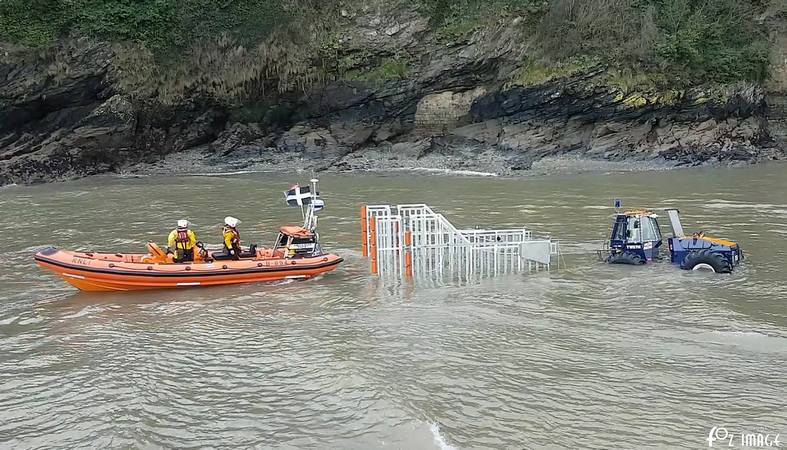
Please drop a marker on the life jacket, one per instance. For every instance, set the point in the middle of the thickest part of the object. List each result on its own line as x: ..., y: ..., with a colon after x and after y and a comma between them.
x: 183, y: 235
x: 182, y: 238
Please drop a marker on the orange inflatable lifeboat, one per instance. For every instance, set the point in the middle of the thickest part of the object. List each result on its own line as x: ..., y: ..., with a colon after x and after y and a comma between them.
x: 297, y: 255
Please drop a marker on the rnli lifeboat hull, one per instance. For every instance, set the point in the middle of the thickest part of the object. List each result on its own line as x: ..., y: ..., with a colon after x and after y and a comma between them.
x: 126, y: 272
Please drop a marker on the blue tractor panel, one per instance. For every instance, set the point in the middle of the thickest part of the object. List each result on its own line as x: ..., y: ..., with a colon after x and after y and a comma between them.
x: 681, y: 247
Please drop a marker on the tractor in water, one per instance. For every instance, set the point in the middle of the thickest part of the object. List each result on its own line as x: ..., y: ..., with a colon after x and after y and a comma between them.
x: 636, y: 239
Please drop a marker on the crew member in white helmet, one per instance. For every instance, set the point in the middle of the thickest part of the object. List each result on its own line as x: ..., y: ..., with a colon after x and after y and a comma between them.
x: 232, y: 248
x: 181, y: 242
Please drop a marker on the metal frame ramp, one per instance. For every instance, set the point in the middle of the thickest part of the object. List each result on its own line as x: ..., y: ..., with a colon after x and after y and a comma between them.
x: 412, y: 240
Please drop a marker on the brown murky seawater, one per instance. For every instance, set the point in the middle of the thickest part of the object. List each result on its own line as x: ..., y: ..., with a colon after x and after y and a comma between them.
x: 591, y: 356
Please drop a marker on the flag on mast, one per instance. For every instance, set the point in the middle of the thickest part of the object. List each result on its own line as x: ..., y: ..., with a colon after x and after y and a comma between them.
x: 298, y: 195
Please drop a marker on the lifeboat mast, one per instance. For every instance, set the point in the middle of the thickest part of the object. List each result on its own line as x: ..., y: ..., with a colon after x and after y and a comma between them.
x: 308, y: 211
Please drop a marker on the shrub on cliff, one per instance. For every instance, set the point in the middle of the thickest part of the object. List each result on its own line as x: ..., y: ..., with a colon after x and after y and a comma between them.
x: 715, y: 40
x: 161, y: 25
x: 689, y: 40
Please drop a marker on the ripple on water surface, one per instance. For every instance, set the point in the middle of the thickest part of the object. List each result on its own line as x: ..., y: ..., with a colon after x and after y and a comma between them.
x: 591, y: 356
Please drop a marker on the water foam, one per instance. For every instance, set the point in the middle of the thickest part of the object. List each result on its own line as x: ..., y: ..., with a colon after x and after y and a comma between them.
x: 439, y: 439
x: 224, y: 174
x: 473, y: 173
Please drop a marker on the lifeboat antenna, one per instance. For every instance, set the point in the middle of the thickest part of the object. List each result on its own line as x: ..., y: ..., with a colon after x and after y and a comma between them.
x: 310, y: 219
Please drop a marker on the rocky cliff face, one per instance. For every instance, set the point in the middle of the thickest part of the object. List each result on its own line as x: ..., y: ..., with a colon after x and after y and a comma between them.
x: 62, y: 116
x: 409, y: 98
x: 776, y: 88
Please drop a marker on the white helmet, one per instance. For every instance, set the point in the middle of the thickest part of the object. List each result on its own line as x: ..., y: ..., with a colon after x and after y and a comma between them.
x: 231, y: 221
x: 183, y: 223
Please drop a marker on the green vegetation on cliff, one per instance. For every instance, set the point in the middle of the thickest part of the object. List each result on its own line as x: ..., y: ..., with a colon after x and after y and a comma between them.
x: 161, y: 25
x: 684, y: 41
x: 688, y: 40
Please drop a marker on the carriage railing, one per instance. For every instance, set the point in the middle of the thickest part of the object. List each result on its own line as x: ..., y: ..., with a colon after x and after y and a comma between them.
x: 413, y: 240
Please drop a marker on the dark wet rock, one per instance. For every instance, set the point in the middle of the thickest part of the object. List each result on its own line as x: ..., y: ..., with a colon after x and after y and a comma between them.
x: 238, y: 137
x: 63, y: 116
x: 314, y: 143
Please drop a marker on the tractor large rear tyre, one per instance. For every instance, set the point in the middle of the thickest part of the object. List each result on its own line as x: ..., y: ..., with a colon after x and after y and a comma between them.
x: 706, y: 259
x: 626, y: 258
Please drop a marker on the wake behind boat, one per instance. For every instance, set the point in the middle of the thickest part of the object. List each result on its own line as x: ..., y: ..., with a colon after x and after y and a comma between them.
x: 296, y: 254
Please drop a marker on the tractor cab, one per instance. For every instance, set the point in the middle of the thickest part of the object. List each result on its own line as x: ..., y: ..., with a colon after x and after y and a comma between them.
x: 635, y: 239
x: 297, y: 242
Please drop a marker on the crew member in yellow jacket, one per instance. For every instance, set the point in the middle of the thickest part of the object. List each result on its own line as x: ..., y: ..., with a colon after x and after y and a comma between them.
x: 231, y: 238
x: 181, y: 242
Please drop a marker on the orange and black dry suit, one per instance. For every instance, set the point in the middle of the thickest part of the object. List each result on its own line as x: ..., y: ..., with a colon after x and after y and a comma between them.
x: 181, y: 243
